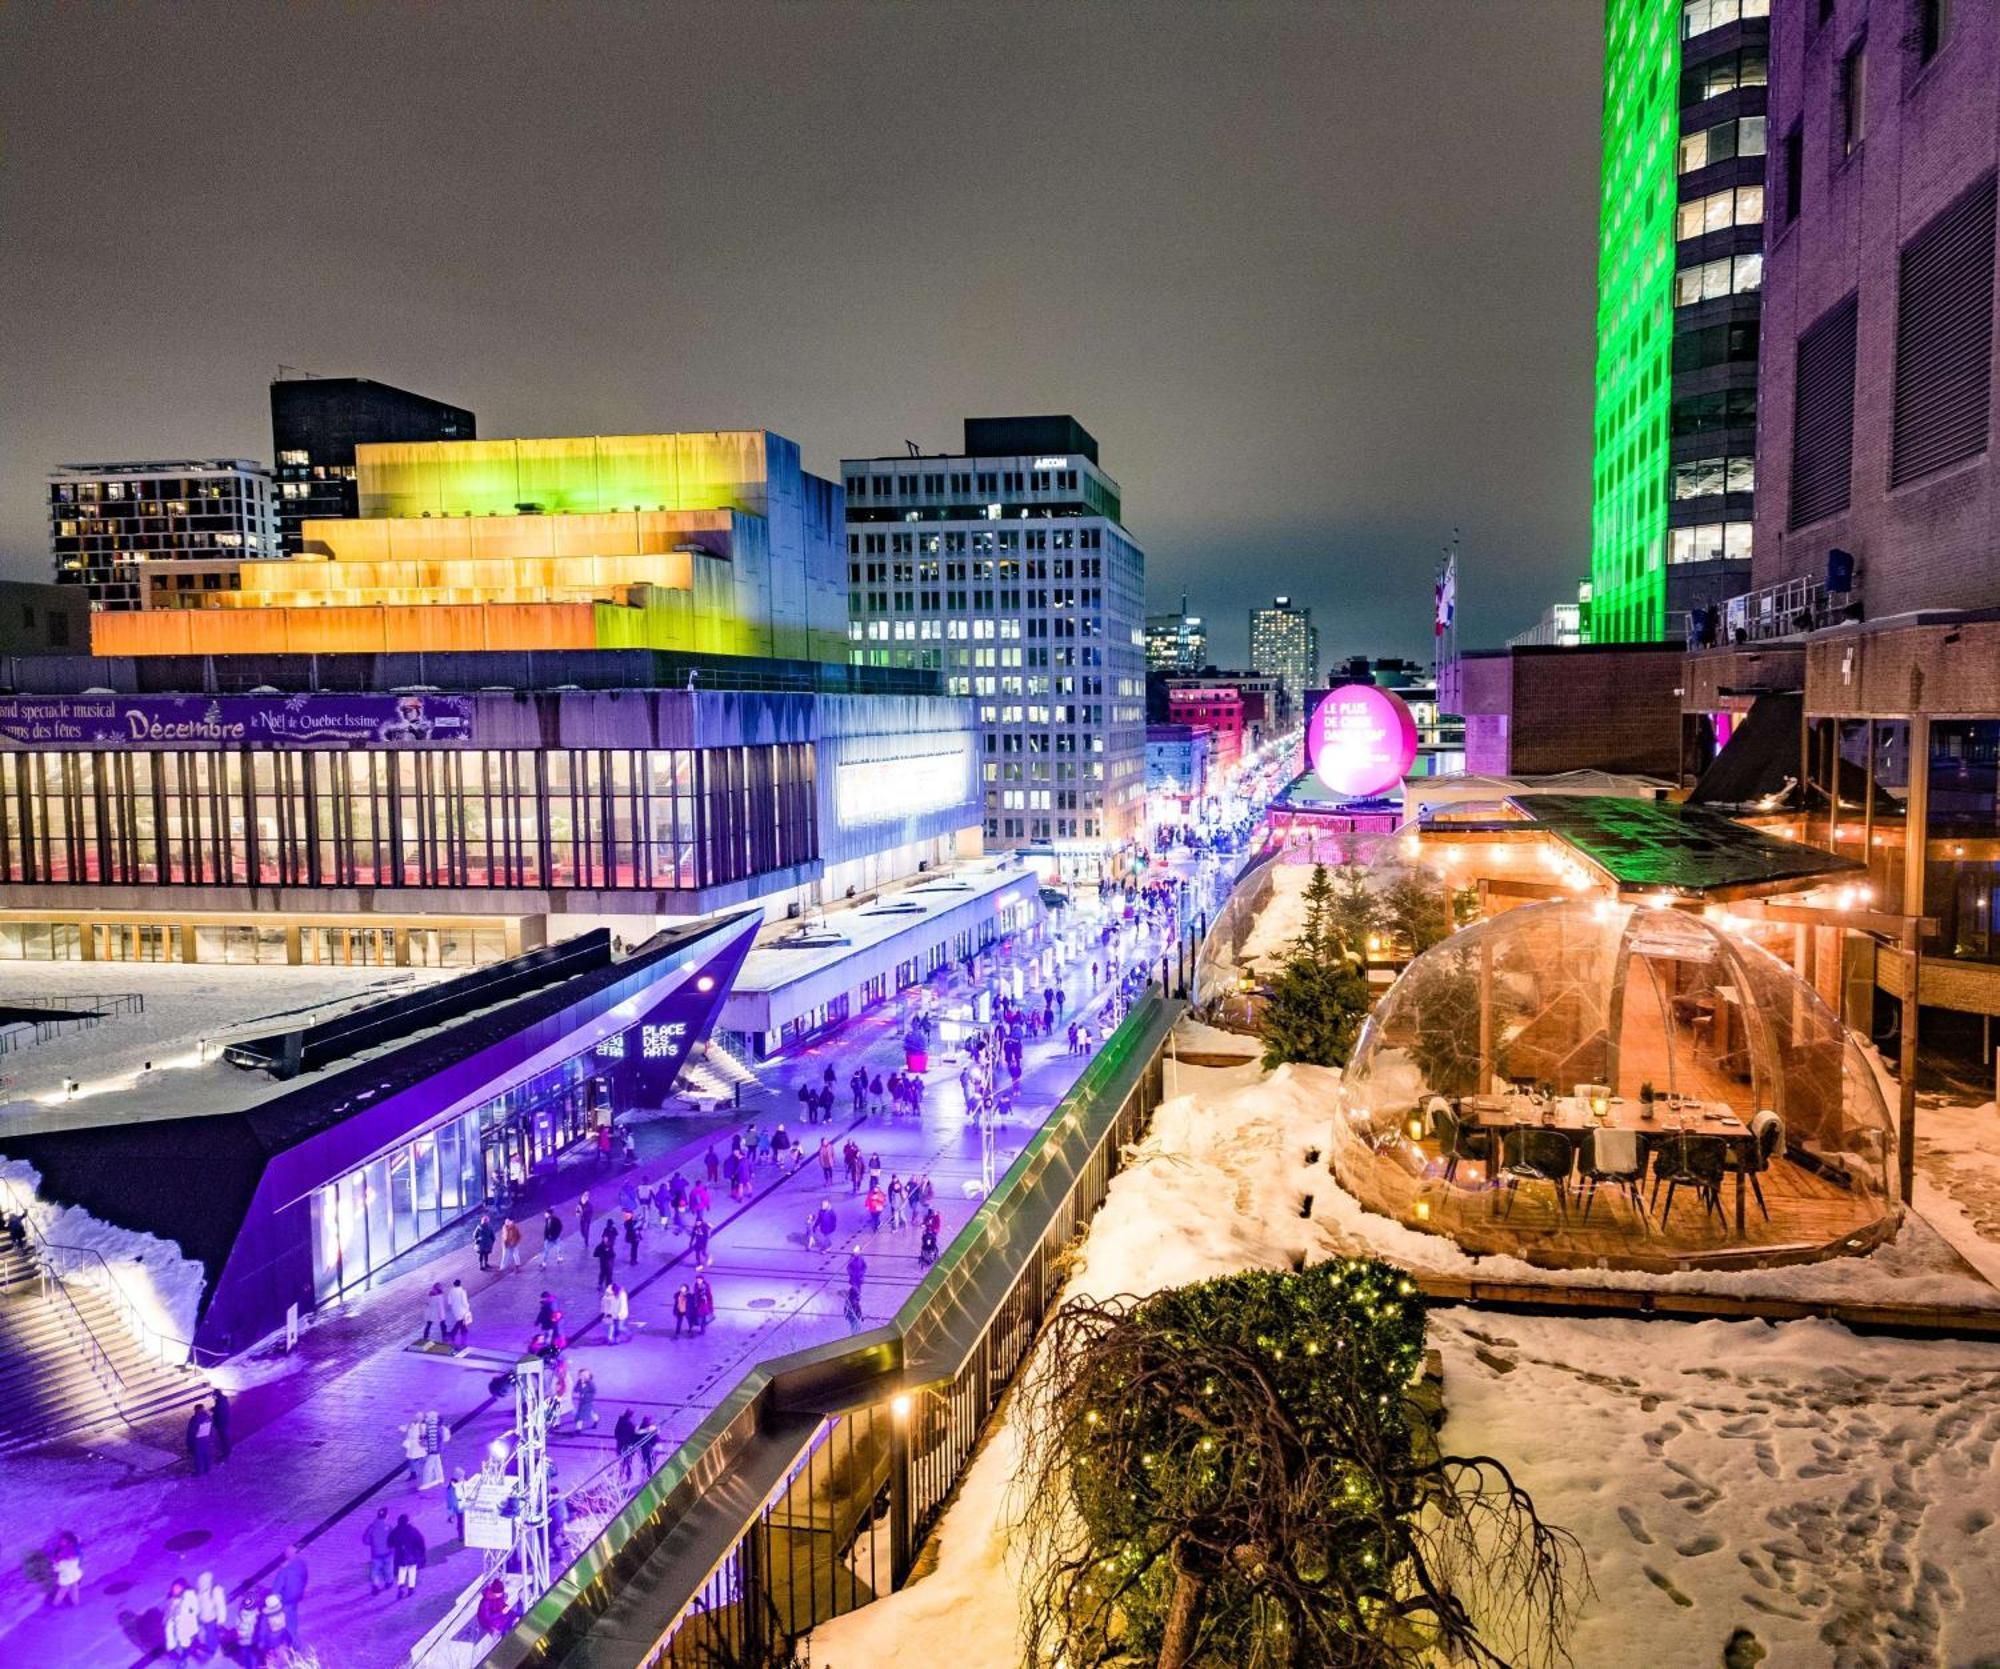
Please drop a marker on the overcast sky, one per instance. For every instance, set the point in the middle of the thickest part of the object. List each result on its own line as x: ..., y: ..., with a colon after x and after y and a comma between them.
x: 1318, y: 277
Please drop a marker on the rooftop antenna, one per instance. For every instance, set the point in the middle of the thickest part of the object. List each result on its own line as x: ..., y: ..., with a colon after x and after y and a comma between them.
x: 912, y: 445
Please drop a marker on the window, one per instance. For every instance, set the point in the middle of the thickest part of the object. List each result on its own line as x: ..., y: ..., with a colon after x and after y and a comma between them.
x: 1700, y: 16
x: 1726, y: 140
x: 1944, y: 339
x: 1823, y: 417
x: 1730, y: 275
x: 1719, y: 210
x: 1795, y: 160
x: 1748, y: 66
x: 1933, y: 26
x: 1711, y: 541
x: 1853, y: 97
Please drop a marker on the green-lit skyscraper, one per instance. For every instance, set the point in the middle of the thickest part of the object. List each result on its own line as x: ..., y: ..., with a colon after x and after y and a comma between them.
x: 1680, y: 261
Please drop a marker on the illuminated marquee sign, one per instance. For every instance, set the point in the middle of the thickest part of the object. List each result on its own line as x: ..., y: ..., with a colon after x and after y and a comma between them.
x: 661, y: 1043
x: 881, y: 790
x: 1052, y: 463
x: 1361, y: 740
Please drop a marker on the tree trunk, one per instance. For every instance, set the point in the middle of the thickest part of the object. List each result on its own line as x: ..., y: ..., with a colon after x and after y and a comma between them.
x: 1183, y: 1615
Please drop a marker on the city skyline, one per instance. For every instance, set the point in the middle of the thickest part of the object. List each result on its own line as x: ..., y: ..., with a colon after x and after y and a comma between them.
x: 1317, y: 355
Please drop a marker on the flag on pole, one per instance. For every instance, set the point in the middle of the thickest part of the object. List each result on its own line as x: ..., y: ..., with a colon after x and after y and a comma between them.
x: 1445, y: 594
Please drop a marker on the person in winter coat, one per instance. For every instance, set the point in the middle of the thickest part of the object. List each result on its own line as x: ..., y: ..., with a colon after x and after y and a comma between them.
x: 826, y: 1161
x: 632, y: 1238
x: 406, y: 1548
x: 698, y: 1241
x: 457, y: 1498
x: 607, y: 1256
x: 857, y: 1267
x: 703, y: 1297
x: 483, y: 1238
x: 273, y: 1630
x: 435, y: 1314
x: 712, y: 1165
x: 681, y: 1315
x: 617, y: 1310
x: 873, y: 1205
x: 625, y: 1439
x: 697, y: 1201
x: 586, y: 1400
x: 899, y: 1218
x: 375, y: 1539
x: 458, y: 1308
x: 649, y: 1443
x: 413, y: 1449
x: 288, y: 1582
x: 510, y: 1245
x: 200, y: 1441
x: 181, y: 1622
x: 552, y: 1228
x: 584, y: 1213
x: 212, y: 1612
x: 218, y: 1413
x: 825, y: 1222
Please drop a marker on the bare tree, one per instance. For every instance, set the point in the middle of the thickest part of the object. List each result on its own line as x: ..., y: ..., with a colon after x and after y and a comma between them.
x: 1229, y: 1474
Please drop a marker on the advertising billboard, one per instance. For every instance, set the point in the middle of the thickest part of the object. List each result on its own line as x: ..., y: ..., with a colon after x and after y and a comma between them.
x: 1361, y: 741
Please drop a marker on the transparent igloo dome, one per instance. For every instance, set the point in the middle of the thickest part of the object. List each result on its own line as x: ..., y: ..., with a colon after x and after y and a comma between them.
x: 1586, y: 1081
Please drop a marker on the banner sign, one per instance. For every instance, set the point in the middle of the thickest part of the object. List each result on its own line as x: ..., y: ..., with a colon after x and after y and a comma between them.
x: 231, y: 721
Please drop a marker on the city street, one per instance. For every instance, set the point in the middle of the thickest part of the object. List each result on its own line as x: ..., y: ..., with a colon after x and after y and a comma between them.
x: 318, y: 1437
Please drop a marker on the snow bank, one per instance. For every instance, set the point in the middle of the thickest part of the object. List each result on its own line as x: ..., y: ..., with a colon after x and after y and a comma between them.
x: 161, y: 1288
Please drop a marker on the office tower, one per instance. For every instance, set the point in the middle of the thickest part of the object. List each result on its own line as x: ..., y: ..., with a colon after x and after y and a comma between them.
x: 317, y: 422
x: 159, y: 535
x: 1680, y: 262
x: 1284, y: 644
x: 1007, y: 567
x: 1176, y: 642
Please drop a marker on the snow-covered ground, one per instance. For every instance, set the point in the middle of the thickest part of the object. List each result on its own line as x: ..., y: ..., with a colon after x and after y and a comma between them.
x: 1282, y: 919
x: 1830, y: 1492
x: 185, y: 1004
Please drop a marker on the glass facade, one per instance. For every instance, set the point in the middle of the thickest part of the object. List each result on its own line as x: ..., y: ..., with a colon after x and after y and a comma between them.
x: 366, y: 1219
x: 559, y: 817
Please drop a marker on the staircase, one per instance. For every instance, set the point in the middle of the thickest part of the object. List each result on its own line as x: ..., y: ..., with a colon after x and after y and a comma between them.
x: 714, y: 1074
x: 69, y: 1366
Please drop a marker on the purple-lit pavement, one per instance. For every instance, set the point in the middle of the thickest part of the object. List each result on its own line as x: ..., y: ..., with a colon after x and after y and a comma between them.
x: 318, y: 1440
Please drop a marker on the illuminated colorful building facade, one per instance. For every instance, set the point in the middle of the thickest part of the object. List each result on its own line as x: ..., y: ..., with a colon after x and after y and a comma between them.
x: 1680, y: 264
x: 704, y: 543
x: 1007, y: 568
x: 1284, y: 644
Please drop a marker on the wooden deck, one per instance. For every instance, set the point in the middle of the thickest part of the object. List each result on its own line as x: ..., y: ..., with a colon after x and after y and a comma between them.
x: 1811, y: 1216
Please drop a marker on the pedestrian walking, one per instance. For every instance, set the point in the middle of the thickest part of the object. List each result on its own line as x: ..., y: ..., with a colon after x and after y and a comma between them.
x: 457, y: 1497
x: 899, y: 1217
x: 180, y: 1622
x: 552, y: 1229
x: 66, y: 1564
x: 583, y: 1215
x: 875, y: 1095
x: 458, y: 1310
x: 649, y: 1441
x: 821, y: 1232
x: 510, y: 1245
x: 200, y: 1441
x: 826, y: 1160
x: 413, y: 1449
x: 704, y: 1303
x: 857, y: 1267
x: 406, y: 1549
x: 436, y: 1435
x: 712, y: 1165
x: 625, y: 1438
x: 632, y: 1237
x: 272, y: 1632
x: 586, y: 1401
x: 873, y: 1204
x: 212, y: 1612
x: 288, y: 1582
x: 482, y: 1241
x: 218, y: 1413
x: 616, y: 1307
x: 375, y: 1540
x: 434, y: 1314
x: 607, y: 1256
x: 698, y: 1199
x: 681, y: 1312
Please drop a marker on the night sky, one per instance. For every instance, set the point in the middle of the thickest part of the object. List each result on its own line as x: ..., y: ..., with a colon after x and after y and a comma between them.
x: 1318, y: 277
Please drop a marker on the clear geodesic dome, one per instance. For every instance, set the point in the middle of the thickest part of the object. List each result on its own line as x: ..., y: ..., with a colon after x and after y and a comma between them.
x: 1654, y: 1045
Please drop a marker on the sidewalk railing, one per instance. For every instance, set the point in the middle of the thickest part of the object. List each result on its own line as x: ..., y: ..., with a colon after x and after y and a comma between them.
x: 803, y: 1494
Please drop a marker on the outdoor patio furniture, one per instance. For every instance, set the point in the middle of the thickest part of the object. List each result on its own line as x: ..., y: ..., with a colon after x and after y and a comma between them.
x: 1767, y: 1142
x: 1530, y: 1154
x: 1614, y: 1157
x: 1683, y: 1160
x: 1457, y: 1140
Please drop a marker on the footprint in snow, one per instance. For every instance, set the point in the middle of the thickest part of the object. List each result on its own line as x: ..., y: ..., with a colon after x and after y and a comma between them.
x: 1977, y: 1520
x: 1695, y: 1546
x: 1665, y: 1585
x: 1635, y: 1526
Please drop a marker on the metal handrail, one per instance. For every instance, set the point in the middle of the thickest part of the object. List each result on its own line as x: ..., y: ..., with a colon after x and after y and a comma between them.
x: 95, y: 1354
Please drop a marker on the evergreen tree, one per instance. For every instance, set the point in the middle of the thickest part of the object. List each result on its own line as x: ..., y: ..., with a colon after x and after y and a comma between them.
x: 1416, y: 908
